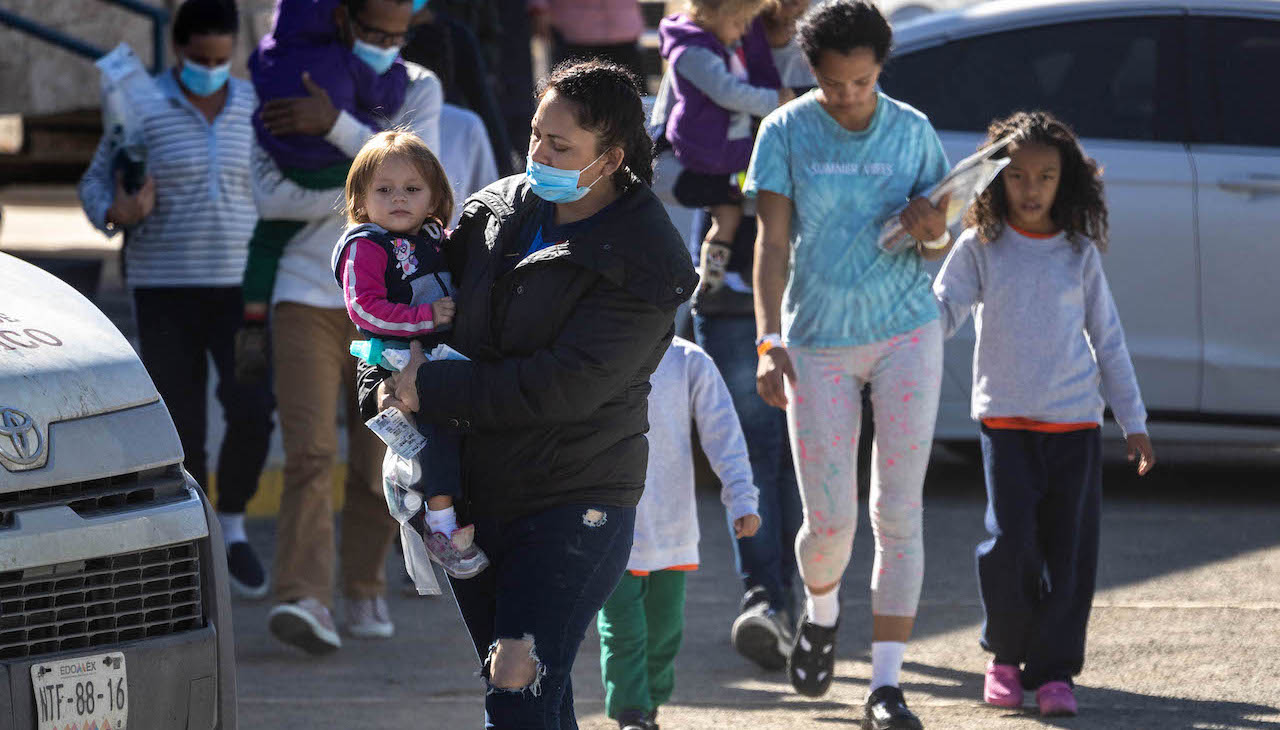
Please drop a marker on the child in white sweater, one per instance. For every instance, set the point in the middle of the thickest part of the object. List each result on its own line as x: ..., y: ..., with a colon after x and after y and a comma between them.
x: 642, y: 623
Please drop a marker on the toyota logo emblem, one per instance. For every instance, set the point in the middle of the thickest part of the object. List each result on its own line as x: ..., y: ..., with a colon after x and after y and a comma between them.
x: 20, y: 440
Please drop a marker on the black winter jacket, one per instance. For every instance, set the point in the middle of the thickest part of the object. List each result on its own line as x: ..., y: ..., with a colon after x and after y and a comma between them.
x: 554, y: 405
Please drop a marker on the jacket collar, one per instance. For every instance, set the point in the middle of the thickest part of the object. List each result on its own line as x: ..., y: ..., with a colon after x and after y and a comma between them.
x: 634, y: 246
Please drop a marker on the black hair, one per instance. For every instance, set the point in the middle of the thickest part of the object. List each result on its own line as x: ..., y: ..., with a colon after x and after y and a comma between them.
x: 357, y: 6
x: 606, y: 100
x: 1079, y: 208
x: 841, y: 26
x: 204, y: 17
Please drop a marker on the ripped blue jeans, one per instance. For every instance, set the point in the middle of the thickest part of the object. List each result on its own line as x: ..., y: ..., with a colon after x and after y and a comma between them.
x: 549, y: 575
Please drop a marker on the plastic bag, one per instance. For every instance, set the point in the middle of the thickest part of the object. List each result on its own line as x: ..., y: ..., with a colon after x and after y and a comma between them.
x: 126, y: 87
x: 403, y: 503
x: 965, y: 183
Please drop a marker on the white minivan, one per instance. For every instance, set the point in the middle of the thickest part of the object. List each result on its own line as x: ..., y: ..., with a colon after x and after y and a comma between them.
x: 114, y: 604
x: 1180, y: 104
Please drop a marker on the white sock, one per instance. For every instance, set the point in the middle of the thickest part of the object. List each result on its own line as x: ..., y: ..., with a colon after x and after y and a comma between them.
x: 232, y: 528
x: 442, y: 520
x: 886, y: 663
x: 823, y: 610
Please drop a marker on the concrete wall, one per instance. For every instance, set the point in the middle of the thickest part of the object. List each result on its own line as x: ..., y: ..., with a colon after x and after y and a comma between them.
x: 39, y: 78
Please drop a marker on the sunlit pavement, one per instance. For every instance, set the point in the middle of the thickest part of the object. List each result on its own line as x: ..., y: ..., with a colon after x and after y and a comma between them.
x: 1185, y: 630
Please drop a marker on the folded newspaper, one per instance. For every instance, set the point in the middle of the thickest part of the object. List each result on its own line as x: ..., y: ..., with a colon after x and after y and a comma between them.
x: 965, y: 183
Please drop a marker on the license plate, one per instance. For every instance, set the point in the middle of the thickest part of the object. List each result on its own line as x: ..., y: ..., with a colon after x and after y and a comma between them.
x: 82, y: 693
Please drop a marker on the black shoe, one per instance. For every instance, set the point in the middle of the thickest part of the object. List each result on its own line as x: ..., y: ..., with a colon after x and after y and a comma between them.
x: 248, y: 578
x: 887, y: 710
x: 812, y: 664
x: 752, y: 597
x: 760, y: 635
x: 652, y: 719
x: 633, y: 720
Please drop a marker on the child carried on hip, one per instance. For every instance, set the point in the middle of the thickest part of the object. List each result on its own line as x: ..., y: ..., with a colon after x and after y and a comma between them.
x: 395, y: 281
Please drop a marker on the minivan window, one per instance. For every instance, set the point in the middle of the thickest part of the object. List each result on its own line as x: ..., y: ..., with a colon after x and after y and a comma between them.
x: 1114, y: 79
x: 1246, y: 58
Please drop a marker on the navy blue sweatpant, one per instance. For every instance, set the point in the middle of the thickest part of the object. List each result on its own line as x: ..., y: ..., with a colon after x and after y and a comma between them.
x: 1036, y: 573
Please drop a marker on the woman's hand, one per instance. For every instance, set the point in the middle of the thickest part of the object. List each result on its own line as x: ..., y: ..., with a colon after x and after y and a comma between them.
x: 313, y: 114
x: 404, y: 384
x: 746, y: 526
x: 925, y: 221
x: 129, y: 210
x: 1139, y: 447
x: 386, y: 394
x: 773, y: 366
x: 442, y: 312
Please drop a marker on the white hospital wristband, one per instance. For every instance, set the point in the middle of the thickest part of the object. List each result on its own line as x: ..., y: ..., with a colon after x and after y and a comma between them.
x: 939, y: 242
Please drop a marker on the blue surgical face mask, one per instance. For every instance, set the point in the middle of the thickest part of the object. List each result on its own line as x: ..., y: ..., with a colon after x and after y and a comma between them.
x: 202, y: 80
x: 379, y: 59
x: 419, y: 4
x: 555, y: 185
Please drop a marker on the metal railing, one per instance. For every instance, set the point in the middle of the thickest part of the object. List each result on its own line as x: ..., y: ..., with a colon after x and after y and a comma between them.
x: 159, y: 19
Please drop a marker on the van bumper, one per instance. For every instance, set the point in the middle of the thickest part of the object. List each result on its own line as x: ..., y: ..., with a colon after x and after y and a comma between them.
x: 182, y: 680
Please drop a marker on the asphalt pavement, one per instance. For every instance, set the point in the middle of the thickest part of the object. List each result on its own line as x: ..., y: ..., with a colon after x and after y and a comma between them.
x: 1185, y: 630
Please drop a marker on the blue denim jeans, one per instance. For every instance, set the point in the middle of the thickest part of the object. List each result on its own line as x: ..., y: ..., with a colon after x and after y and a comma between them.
x: 441, y: 461
x: 549, y: 575
x: 767, y: 560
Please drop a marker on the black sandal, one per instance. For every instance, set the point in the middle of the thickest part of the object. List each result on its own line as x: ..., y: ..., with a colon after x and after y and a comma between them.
x: 812, y: 663
x: 886, y: 709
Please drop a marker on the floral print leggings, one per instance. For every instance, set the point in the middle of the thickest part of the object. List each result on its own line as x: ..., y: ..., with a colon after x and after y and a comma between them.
x: 825, y: 416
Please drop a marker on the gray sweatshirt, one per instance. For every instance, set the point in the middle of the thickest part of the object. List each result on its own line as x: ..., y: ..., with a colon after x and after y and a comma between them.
x: 1050, y: 344
x: 687, y: 390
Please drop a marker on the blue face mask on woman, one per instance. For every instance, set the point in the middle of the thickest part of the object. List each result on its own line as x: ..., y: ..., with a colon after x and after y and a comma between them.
x: 555, y: 185
x: 419, y: 4
x: 379, y: 59
x: 203, y: 80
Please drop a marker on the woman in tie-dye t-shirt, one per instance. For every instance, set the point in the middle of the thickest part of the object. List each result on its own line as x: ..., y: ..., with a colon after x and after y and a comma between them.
x: 834, y: 311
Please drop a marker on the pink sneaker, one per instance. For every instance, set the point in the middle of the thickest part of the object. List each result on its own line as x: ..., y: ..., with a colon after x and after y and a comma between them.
x: 1057, y: 699
x: 458, y: 553
x: 1003, y: 686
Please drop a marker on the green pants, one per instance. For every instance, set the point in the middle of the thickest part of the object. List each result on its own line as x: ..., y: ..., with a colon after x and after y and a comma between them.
x: 641, y: 626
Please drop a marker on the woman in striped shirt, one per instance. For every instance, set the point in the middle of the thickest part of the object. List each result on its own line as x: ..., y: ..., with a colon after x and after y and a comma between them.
x: 186, y: 234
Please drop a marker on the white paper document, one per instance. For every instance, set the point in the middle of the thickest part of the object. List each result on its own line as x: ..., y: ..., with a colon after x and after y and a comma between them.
x: 965, y: 183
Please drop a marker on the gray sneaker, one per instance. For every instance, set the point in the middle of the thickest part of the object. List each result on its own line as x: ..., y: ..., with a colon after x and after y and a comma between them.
x: 306, y: 625
x: 457, y: 553
x: 369, y: 618
x: 762, y: 636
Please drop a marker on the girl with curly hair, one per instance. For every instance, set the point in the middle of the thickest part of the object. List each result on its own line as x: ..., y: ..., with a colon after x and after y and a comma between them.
x: 1049, y: 345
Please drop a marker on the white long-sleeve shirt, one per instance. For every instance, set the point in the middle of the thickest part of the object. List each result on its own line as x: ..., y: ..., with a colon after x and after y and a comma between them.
x: 687, y: 390
x: 1050, y: 344
x: 305, y: 274
x: 468, y: 158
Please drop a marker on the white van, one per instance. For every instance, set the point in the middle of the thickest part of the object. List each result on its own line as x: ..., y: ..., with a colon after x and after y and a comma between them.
x: 114, y: 605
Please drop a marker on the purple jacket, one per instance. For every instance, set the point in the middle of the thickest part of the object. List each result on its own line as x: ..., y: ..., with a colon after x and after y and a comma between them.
x: 304, y: 38
x: 697, y: 128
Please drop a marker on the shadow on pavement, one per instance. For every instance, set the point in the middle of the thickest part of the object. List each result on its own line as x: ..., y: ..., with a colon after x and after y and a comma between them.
x: 1097, y: 705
